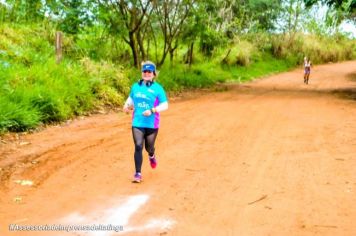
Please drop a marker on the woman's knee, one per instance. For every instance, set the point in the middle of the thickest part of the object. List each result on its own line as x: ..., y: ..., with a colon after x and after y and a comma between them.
x: 150, y: 148
x: 138, y: 147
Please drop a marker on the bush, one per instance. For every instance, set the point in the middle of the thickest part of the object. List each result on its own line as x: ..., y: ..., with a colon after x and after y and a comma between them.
x: 17, y: 117
x: 240, y: 53
x: 318, y: 49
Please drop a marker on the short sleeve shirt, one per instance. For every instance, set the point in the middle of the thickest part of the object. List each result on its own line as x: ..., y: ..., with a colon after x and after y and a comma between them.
x: 145, y: 98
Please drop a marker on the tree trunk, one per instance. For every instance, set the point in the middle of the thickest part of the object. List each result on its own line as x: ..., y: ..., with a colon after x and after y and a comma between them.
x: 133, y: 46
x: 171, y: 56
x: 165, y: 52
x: 190, y: 54
x: 140, y: 45
x: 224, y: 61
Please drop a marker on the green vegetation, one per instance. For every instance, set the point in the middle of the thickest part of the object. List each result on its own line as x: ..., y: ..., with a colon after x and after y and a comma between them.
x: 34, y: 89
x: 202, y: 43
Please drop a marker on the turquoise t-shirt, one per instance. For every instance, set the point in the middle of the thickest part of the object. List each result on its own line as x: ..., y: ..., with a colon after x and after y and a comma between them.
x: 146, y: 98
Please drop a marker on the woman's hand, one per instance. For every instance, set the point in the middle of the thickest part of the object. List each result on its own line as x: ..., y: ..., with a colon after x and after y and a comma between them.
x: 147, y: 113
x: 127, y: 109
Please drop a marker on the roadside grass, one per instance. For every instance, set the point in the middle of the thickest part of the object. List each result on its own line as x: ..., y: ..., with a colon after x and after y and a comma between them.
x: 262, y: 66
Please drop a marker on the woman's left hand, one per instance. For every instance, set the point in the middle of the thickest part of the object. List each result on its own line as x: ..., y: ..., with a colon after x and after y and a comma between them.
x: 147, y: 113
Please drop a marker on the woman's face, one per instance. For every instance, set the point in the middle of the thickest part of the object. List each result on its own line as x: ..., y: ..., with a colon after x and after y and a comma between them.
x: 147, y: 75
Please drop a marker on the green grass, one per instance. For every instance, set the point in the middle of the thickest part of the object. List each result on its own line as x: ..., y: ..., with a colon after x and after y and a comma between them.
x: 207, y: 74
x: 17, y: 117
x: 197, y: 76
x: 265, y: 65
x: 51, y: 92
x: 35, y: 90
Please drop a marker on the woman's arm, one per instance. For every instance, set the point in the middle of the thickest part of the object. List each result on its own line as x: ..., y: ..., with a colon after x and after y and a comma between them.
x: 161, y: 107
x: 128, y: 104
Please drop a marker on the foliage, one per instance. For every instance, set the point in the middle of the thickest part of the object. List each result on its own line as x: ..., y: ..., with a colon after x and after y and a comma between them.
x: 34, y: 89
x: 17, y: 117
x: 240, y: 53
x: 108, y: 83
x: 319, y: 49
x: 347, y: 8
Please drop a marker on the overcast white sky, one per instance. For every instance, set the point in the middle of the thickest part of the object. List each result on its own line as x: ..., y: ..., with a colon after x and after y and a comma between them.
x: 349, y: 27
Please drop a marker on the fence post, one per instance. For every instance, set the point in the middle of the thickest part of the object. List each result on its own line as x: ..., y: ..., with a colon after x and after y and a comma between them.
x: 59, y: 54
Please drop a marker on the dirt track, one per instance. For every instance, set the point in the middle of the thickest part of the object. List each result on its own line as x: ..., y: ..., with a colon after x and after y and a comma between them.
x: 272, y: 157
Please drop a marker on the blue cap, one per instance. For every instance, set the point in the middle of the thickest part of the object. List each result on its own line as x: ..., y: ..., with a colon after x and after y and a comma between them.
x: 148, y: 67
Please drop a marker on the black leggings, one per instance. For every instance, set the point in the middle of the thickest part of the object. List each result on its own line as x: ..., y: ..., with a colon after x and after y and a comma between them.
x: 141, y: 135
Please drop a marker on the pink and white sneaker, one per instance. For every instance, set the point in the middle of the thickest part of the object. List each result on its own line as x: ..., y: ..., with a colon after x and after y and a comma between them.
x: 153, y: 161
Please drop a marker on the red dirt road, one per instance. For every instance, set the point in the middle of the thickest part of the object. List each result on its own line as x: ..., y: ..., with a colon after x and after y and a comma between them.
x: 271, y: 157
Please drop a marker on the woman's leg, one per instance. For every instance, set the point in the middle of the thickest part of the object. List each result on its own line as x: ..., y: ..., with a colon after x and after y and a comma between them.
x: 150, y: 139
x: 138, y: 137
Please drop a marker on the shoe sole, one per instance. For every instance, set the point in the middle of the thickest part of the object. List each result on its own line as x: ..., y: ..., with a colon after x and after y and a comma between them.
x: 136, y: 181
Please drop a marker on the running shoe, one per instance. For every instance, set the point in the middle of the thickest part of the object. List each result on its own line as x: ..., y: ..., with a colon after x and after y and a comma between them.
x: 153, y: 161
x: 137, y: 178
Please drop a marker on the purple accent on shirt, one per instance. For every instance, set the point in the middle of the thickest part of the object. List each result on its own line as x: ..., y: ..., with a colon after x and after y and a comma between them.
x: 156, y: 122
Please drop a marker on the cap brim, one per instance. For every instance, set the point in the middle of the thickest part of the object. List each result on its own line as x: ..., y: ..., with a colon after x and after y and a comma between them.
x: 148, y: 67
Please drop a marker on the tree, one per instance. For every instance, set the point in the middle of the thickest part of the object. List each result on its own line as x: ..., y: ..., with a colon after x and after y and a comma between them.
x: 347, y: 7
x: 265, y: 13
x: 70, y: 15
x: 74, y: 11
x: 172, y: 17
x: 24, y: 11
x: 212, y: 23
x: 292, y: 16
x: 132, y: 15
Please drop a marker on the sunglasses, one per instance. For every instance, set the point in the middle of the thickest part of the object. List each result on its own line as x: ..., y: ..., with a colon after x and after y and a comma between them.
x: 147, y: 71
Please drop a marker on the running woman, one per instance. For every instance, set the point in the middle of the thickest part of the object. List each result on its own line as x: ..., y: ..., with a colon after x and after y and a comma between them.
x: 307, y: 67
x: 147, y: 99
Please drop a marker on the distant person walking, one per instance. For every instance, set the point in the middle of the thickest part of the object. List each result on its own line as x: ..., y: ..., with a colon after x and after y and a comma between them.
x: 147, y: 99
x: 307, y: 67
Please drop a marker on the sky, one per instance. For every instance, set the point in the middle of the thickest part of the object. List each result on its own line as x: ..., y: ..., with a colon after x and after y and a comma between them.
x: 349, y: 27
x: 345, y: 26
